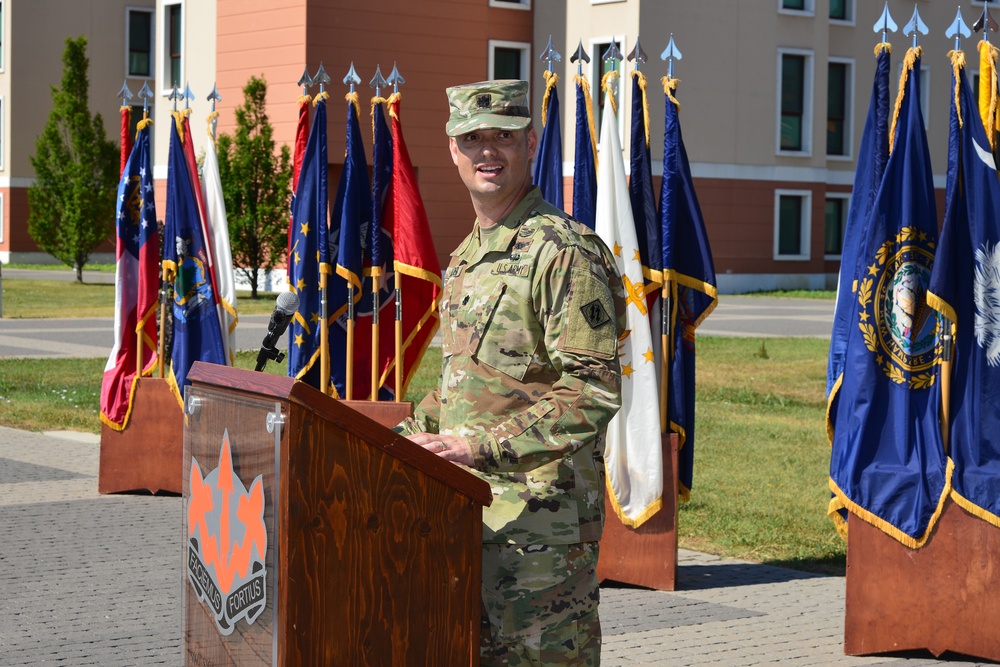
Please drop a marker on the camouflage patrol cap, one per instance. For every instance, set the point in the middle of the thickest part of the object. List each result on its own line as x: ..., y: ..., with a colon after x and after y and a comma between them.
x: 488, y: 105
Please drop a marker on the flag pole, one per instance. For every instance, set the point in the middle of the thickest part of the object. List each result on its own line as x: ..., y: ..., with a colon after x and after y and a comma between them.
x: 395, y: 78
x: 377, y: 82
x: 668, y: 317
x: 126, y: 117
x: 321, y: 78
x: 351, y: 80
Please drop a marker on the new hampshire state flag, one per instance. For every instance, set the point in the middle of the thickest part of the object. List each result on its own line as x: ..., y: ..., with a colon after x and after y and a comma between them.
x: 965, y: 288
x: 887, y: 464
x: 548, y: 165
x: 633, y: 456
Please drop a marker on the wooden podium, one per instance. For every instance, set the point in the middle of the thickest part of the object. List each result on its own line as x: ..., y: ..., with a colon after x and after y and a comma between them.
x: 313, y: 535
x: 940, y: 597
x: 647, y: 555
x: 146, y: 456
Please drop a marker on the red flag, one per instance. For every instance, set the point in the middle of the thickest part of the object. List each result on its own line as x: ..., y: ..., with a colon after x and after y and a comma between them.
x: 418, y: 273
x: 301, y: 139
x: 126, y: 137
x: 136, y: 286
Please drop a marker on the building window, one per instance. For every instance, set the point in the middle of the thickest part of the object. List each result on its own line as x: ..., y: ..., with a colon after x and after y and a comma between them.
x: 3, y: 127
x: 509, y: 60
x: 511, y: 4
x: 839, y: 102
x: 791, y: 224
x: 600, y: 68
x: 140, y: 43
x: 835, y: 225
x: 795, y: 100
x: 842, y: 10
x: 796, y: 6
x: 174, y: 46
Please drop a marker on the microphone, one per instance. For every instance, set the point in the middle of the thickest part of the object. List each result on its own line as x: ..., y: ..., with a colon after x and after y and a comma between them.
x: 284, y: 310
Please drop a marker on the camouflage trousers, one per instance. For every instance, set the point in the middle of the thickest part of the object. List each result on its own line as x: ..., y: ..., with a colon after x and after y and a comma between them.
x: 540, y: 605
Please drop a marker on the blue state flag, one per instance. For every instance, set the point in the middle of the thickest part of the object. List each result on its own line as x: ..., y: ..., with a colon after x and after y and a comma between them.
x: 872, y: 156
x: 308, y: 257
x: 548, y: 164
x: 352, y: 213
x: 965, y: 288
x: 640, y: 189
x: 585, y: 157
x: 887, y: 461
x: 196, y: 332
x: 689, y: 268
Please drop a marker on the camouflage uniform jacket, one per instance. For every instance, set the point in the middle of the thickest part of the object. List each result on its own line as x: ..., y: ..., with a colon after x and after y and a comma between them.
x: 531, y: 312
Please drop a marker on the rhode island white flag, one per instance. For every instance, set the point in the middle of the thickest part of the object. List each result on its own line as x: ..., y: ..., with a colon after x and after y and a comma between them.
x: 634, y: 457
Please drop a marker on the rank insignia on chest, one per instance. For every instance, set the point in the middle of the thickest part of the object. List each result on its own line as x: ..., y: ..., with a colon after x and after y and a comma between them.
x: 522, y: 245
x: 509, y: 269
x: 595, y: 314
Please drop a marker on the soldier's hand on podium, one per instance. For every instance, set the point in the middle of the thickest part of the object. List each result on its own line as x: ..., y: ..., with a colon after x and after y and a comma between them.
x: 449, y: 447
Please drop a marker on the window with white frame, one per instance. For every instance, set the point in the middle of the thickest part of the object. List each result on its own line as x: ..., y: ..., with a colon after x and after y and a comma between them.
x: 839, y: 104
x: 139, y: 42
x: 599, y: 69
x: 791, y: 224
x: 173, y: 45
x: 842, y: 11
x: 837, y: 205
x: 509, y: 60
x: 511, y: 4
x: 796, y: 6
x: 3, y: 125
x: 794, y: 122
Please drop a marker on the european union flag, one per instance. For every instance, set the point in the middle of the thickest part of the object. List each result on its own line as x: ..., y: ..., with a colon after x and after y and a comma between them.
x: 887, y: 462
x: 196, y: 332
x: 872, y: 156
x: 548, y: 163
x: 352, y: 212
x: 687, y: 264
x: 308, y: 257
x: 585, y: 161
x: 965, y: 288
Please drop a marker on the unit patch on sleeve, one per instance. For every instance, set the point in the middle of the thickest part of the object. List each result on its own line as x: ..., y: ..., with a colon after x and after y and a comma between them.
x: 594, y: 314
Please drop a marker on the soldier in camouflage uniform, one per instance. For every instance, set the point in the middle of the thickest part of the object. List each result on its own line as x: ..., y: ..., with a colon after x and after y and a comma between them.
x: 531, y: 312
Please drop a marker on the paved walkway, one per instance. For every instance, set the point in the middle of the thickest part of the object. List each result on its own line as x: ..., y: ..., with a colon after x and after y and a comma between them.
x: 87, y: 579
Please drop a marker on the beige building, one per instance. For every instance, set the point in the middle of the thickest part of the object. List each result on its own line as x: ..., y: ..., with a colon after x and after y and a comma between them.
x: 773, y: 93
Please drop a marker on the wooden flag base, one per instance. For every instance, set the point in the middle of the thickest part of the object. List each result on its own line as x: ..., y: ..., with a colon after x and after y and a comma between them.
x: 647, y: 555
x: 146, y: 456
x: 941, y: 597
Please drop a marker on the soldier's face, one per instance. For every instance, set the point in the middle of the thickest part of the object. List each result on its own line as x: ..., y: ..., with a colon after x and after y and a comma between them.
x: 494, y: 162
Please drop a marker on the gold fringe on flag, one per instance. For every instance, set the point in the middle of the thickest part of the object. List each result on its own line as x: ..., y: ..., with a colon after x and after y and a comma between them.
x: 582, y: 81
x: 988, y: 93
x: 353, y: 99
x: 957, y: 64
x: 323, y: 96
x: 669, y: 86
x: 606, y: 86
x: 641, y: 78
x: 908, y: 62
x: 551, y: 79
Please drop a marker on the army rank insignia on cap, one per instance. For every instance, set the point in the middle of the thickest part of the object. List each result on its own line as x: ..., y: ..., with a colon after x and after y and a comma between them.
x: 595, y: 314
x: 484, y: 101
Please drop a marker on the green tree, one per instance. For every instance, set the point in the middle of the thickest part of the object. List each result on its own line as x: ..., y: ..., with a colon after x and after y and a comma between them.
x: 72, y: 201
x: 256, y: 184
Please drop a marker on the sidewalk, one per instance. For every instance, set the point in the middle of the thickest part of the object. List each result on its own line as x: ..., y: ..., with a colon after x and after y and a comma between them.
x: 88, y: 579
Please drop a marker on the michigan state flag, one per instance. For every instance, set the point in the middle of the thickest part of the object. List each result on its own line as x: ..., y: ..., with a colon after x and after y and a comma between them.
x: 887, y: 463
x: 965, y: 288
x: 197, y: 335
